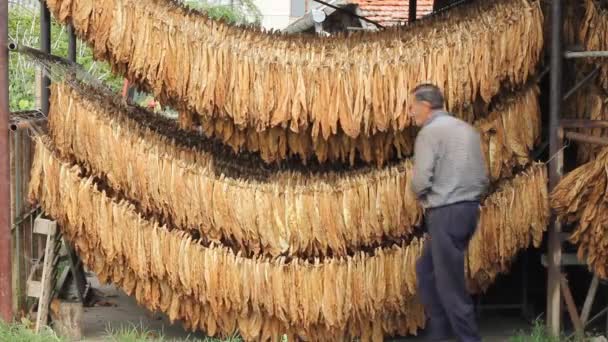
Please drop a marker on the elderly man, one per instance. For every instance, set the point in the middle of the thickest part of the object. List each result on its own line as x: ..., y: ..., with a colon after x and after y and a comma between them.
x: 449, y: 179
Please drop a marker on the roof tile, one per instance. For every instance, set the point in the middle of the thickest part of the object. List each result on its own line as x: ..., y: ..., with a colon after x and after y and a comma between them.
x: 391, y: 12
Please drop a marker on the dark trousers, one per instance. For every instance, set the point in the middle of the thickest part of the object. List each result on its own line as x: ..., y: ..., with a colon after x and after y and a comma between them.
x: 440, y: 272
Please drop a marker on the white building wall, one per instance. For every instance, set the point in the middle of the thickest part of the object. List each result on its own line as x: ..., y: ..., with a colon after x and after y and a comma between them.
x: 276, y: 14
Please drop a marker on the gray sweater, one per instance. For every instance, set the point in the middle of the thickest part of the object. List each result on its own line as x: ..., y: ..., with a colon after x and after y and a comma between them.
x: 449, y: 166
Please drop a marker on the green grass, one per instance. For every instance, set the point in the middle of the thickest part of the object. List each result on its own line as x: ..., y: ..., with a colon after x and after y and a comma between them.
x: 135, y: 333
x: 539, y: 334
x: 22, y: 333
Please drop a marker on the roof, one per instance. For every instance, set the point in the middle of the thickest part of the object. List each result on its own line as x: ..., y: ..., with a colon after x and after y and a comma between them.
x: 385, y: 12
x: 391, y: 12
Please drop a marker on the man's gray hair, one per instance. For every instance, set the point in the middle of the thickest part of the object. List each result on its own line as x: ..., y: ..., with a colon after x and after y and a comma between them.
x: 430, y: 93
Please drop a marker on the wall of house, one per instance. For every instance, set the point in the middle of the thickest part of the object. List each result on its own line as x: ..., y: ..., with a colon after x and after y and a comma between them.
x: 276, y: 14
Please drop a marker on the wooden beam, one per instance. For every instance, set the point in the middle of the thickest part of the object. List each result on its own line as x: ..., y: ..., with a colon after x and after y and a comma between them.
x: 571, y: 306
x: 6, y: 282
x: 580, y: 137
x: 47, y: 280
x: 45, y: 227
x: 34, y: 288
x: 583, y: 123
x: 412, y: 11
x: 567, y: 259
x: 586, y: 54
x: 555, y: 166
x: 589, y: 299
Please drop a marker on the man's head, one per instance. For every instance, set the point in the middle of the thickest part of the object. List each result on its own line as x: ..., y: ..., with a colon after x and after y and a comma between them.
x: 425, y: 99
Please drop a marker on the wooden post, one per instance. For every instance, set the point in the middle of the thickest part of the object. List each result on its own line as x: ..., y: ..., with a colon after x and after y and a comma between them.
x: 6, y: 283
x: 412, y: 11
x: 67, y: 319
x: 555, y: 170
x: 47, y: 274
x: 571, y: 306
x: 589, y: 299
x: 554, y: 268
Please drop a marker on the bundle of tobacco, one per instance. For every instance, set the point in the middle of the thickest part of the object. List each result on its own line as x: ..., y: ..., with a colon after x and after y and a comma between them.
x: 161, y: 266
x: 287, y: 213
x: 512, y: 218
x: 510, y: 132
x: 277, y: 144
x: 164, y: 266
x: 593, y: 34
x: 581, y: 197
x: 358, y: 85
x: 591, y: 104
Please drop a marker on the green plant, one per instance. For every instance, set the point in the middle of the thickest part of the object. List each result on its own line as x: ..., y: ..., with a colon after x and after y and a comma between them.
x: 135, y: 333
x: 539, y: 334
x: 24, y: 29
x: 20, y: 332
x: 132, y: 334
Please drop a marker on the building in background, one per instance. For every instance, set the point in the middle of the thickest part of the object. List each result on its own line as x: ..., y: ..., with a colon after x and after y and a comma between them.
x: 273, y: 14
x: 295, y: 15
x: 326, y: 19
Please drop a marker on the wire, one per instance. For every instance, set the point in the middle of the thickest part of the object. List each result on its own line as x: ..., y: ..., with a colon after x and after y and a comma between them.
x: 558, y: 152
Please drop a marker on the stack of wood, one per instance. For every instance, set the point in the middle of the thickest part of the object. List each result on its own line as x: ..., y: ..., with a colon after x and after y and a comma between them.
x: 334, y: 98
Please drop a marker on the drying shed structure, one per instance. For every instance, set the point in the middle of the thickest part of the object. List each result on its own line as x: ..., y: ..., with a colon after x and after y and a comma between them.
x: 256, y: 140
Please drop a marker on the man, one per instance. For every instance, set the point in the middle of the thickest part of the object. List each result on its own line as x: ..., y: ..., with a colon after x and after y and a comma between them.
x: 449, y: 179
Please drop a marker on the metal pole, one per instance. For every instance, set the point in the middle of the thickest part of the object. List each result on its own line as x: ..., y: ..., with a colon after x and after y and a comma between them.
x: 555, y: 170
x: 71, y: 44
x: 412, y: 9
x: 6, y: 283
x: 45, y: 46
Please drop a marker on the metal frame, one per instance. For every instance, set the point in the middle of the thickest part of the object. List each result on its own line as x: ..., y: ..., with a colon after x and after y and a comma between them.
x: 557, y: 285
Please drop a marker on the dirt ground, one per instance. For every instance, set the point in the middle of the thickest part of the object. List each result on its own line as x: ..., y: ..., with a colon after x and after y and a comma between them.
x: 125, y: 313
